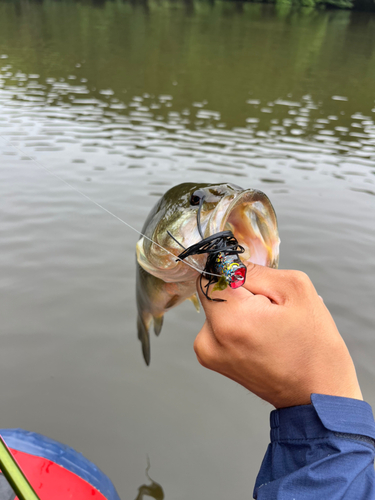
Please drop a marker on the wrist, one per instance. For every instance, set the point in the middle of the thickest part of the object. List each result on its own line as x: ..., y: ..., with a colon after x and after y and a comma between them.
x: 335, y: 376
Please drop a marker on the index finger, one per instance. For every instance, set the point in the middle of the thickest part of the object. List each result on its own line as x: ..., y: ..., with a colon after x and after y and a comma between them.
x: 262, y: 280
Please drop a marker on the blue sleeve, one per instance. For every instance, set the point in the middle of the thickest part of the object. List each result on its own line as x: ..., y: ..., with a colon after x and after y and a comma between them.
x: 320, y: 451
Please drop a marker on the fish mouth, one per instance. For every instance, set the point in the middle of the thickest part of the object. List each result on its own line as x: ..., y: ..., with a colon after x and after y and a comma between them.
x: 252, y: 219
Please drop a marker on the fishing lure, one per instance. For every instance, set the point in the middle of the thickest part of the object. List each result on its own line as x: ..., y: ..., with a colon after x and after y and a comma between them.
x: 231, y: 268
x: 223, y: 265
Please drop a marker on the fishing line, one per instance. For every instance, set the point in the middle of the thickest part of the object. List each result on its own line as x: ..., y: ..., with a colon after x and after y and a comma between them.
x: 199, y: 217
x: 105, y: 209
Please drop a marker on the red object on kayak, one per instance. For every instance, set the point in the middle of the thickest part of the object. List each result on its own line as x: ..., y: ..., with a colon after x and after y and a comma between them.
x: 55, y: 471
x: 51, y: 481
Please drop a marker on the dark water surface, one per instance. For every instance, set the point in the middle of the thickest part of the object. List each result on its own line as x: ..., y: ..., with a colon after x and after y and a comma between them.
x: 123, y: 101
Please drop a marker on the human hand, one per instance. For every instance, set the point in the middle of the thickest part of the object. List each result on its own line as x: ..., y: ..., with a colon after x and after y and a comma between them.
x: 276, y: 337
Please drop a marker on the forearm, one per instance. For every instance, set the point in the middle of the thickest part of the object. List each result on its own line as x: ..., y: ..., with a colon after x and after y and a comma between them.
x: 320, y: 451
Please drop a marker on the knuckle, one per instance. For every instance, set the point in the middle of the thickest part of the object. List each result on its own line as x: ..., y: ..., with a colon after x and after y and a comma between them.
x: 299, y: 280
x: 203, y: 352
x: 203, y: 362
x: 252, y: 269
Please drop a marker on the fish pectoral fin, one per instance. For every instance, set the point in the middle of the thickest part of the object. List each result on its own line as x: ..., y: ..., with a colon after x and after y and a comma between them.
x: 172, y: 302
x: 144, y: 337
x: 195, y: 301
x: 158, y: 323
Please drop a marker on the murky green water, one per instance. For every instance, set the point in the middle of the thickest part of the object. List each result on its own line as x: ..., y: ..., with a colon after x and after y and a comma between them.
x: 123, y: 101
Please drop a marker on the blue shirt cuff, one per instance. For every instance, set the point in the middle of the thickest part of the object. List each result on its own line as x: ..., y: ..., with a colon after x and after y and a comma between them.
x: 325, y: 414
x: 321, y: 450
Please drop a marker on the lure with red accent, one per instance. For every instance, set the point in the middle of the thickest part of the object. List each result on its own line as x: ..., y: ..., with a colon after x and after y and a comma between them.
x: 231, y: 268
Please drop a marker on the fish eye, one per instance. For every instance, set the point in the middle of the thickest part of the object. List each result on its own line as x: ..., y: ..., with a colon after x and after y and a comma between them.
x: 194, y: 200
x: 196, y: 197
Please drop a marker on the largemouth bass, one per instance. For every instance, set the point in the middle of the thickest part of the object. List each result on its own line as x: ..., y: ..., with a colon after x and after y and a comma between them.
x: 163, y: 283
